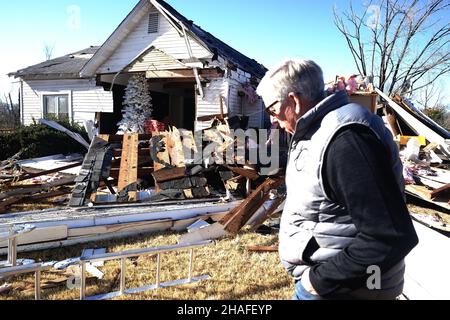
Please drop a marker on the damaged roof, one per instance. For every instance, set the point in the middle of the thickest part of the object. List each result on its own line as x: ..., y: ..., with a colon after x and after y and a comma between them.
x: 65, y: 67
x: 217, y: 46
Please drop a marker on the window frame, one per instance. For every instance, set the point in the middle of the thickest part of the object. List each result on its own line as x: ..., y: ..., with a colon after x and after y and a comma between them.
x: 67, y: 93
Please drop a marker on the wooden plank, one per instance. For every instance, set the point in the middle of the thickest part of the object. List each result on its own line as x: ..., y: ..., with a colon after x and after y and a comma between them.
x: 239, y: 216
x: 262, y: 248
x: 180, y: 73
x: 425, y: 194
x: 41, y: 235
x: 129, y: 166
x: 248, y: 173
x: 443, y: 191
x: 167, y: 174
x: 163, y: 155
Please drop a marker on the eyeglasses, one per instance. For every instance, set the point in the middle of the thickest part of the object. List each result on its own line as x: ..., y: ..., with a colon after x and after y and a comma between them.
x: 271, y: 110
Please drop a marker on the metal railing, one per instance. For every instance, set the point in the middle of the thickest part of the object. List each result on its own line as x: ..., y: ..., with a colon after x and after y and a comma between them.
x: 124, y: 255
x: 37, y: 268
x: 11, y: 235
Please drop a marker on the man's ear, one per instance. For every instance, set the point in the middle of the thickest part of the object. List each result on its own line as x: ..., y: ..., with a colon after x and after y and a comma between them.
x: 296, y: 101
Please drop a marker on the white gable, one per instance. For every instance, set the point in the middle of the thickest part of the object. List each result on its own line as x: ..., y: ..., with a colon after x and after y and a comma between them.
x: 167, y: 40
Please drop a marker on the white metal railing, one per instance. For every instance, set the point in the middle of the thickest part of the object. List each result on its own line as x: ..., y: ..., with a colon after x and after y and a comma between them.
x: 37, y: 268
x: 11, y: 235
x: 124, y: 255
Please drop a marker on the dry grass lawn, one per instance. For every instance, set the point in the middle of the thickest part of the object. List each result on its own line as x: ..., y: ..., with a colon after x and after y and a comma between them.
x: 236, y: 273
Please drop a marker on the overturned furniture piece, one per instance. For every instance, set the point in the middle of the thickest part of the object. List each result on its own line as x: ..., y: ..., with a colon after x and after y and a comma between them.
x: 37, y: 268
x: 123, y: 256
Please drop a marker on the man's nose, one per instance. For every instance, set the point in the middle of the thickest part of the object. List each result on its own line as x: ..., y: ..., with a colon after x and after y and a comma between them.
x: 273, y: 120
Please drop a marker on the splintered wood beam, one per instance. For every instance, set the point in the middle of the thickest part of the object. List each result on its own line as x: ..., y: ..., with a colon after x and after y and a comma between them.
x: 239, y: 216
x: 262, y: 248
x: 163, y: 155
x: 129, y: 166
x: 167, y: 174
x: 181, y: 73
x: 248, y: 173
x: 445, y: 190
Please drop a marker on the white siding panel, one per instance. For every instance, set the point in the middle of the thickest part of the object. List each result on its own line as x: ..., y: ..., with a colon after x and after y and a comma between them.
x: 87, y: 98
x: 240, y: 105
x: 155, y: 60
x: 210, y: 103
x: 167, y: 40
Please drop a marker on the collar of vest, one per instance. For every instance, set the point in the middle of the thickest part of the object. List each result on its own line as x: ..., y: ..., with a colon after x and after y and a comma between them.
x: 317, y: 113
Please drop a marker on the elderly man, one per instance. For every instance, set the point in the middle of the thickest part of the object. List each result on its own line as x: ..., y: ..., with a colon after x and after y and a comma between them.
x: 345, y: 229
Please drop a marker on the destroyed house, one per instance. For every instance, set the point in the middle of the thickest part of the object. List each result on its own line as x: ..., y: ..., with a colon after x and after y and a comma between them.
x: 192, y: 75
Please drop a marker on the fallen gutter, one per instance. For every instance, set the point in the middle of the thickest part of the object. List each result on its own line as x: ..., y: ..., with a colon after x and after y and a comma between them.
x: 417, y: 125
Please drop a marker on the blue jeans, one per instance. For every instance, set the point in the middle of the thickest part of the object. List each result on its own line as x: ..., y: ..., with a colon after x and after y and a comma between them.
x: 302, y: 294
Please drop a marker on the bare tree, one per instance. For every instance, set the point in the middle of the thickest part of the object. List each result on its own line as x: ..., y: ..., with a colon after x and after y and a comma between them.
x: 403, y: 44
x: 48, y: 50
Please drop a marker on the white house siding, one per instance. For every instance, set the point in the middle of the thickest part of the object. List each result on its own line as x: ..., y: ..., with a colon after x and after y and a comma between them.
x: 86, y: 98
x: 155, y: 60
x: 167, y: 40
x: 240, y: 105
x: 210, y: 103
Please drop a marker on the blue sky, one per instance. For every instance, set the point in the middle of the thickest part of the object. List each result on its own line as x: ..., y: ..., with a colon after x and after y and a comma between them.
x: 267, y: 31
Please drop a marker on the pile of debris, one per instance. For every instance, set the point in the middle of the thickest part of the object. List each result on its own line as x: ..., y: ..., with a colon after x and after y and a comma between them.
x: 36, y: 180
x: 170, y: 165
x: 425, y: 152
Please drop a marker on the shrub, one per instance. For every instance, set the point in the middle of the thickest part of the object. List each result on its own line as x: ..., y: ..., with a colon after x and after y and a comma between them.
x: 40, y: 141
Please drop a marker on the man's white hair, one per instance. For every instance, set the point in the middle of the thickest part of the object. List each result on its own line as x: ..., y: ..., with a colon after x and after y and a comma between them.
x: 304, y: 77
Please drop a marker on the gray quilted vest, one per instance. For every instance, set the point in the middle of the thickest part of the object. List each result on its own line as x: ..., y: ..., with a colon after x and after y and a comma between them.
x: 309, y: 212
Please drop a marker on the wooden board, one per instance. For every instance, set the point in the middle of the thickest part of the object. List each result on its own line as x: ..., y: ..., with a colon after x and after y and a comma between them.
x: 239, y: 216
x: 41, y: 235
x: 164, y: 155
x: 168, y: 174
x: 425, y: 194
x: 129, y: 166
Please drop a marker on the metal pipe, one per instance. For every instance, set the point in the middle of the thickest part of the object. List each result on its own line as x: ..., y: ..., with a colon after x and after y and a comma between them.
x: 83, y: 281
x: 123, y: 270
x: 37, y: 285
x: 158, y: 270
x: 14, y: 251
x: 191, y: 264
x: 140, y: 252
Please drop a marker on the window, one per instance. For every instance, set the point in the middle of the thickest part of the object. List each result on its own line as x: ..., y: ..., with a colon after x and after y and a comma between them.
x: 153, y: 22
x: 56, y: 106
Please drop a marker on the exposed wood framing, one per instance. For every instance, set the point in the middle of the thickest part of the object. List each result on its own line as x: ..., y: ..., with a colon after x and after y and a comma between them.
x: 129, y: 167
